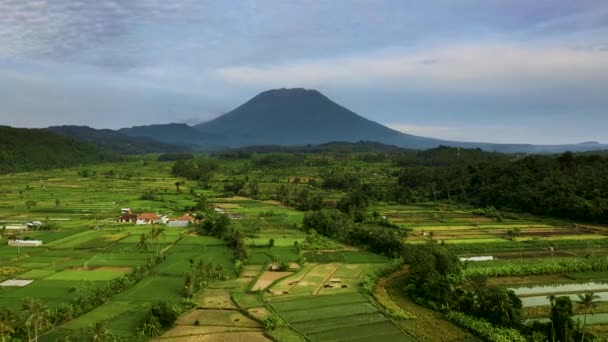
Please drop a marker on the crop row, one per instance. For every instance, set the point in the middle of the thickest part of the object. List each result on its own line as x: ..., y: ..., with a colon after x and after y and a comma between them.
x: 540, y: 266
x: 483, y: 247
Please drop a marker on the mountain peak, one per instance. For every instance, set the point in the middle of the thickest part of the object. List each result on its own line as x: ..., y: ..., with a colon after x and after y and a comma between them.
x: 290, y: 91
x: 295, y: 116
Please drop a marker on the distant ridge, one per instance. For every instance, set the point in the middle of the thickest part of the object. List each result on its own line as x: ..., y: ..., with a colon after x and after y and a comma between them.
x: 292, y: 117
x: 114, y: 141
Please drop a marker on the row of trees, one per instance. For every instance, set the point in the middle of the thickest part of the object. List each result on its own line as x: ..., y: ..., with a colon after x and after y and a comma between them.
x: 218, y: 225
x: 200, y: 169
x: 200, y: 275
x: 370, y: 234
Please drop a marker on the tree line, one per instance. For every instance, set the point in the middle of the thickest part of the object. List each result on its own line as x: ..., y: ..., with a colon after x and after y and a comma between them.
x: 567, y: 186
x: 32, y: 149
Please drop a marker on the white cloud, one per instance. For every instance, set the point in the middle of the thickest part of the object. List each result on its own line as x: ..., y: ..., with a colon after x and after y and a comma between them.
x: 477, y: 67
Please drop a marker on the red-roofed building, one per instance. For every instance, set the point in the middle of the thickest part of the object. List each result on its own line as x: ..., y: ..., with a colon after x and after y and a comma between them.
x: 183, y: 221
x: 127, y: 217
x: 148, y: 218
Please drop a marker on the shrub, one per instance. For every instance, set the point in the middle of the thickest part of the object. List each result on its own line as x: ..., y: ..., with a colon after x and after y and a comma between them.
x: 272, y: 322
x: 485, y: 329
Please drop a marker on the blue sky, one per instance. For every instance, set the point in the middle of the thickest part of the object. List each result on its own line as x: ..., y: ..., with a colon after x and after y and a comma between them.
x: 497, y: 71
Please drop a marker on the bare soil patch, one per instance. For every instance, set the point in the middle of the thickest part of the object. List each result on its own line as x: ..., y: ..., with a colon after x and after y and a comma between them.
x: 267, y: 278
x: 230, y: 199
x: 260, y: 313
x: 229, y: 206
x: 222, y: 337
x: 190, y: 330
x: 528, y: 280
x: 224, y: 318
x: 216, y: 299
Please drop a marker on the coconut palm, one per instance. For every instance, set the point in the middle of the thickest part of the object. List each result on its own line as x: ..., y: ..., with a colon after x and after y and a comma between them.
x: 189, y: 285
x: 587, y: 301
x: 99, y: 333
x: 156, y: 234
x: 561, y: 318
x: 37, y: 317
x: 143, y: 242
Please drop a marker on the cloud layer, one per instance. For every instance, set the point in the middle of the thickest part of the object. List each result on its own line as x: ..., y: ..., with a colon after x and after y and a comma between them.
x: 538, y: 69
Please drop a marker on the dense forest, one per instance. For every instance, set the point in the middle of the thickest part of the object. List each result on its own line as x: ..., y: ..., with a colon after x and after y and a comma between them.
x: 29, y: 149
x: 568, y: 186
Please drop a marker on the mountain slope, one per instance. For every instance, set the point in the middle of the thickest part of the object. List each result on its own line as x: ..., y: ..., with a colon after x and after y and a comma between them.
x: 24, y: 149
x: 114, y: 141
x: 298, y: 117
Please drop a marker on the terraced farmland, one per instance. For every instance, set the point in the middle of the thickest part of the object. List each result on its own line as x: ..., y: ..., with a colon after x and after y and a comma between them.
x: 307, y: 286
x: 337, y: 317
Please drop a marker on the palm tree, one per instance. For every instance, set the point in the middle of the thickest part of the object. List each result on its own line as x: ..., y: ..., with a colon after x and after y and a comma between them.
x: 586, y: 300
x: 551, y: 299
x: 155, y: 234
x: 99, y: 333
x: 189, y: 285
x: 143, y: 242
x: 37, y: 316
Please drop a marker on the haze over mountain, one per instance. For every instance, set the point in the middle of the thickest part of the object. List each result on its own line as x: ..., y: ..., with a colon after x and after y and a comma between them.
x: 299, y: 116
x: 115, y: 141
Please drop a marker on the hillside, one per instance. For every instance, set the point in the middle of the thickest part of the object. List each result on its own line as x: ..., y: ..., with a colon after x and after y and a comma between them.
x: 29, y: 149
x: 114, y: 141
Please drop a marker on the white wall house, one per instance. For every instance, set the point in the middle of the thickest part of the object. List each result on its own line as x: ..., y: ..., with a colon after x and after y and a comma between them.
x: 25, y: 243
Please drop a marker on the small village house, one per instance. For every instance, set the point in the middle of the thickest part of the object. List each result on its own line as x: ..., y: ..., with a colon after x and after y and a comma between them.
x: 128, y: 217
x: 148, y: 218
x: 183, y: 221
x: 25, y: 243
x: 33, y: 224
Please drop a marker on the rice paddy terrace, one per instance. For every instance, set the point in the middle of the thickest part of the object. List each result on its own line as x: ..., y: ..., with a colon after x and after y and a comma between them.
x: 307, y: 293
x: 541, y: 253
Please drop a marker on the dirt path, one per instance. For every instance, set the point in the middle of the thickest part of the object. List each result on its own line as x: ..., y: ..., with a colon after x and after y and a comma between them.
x: 326, y: 280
